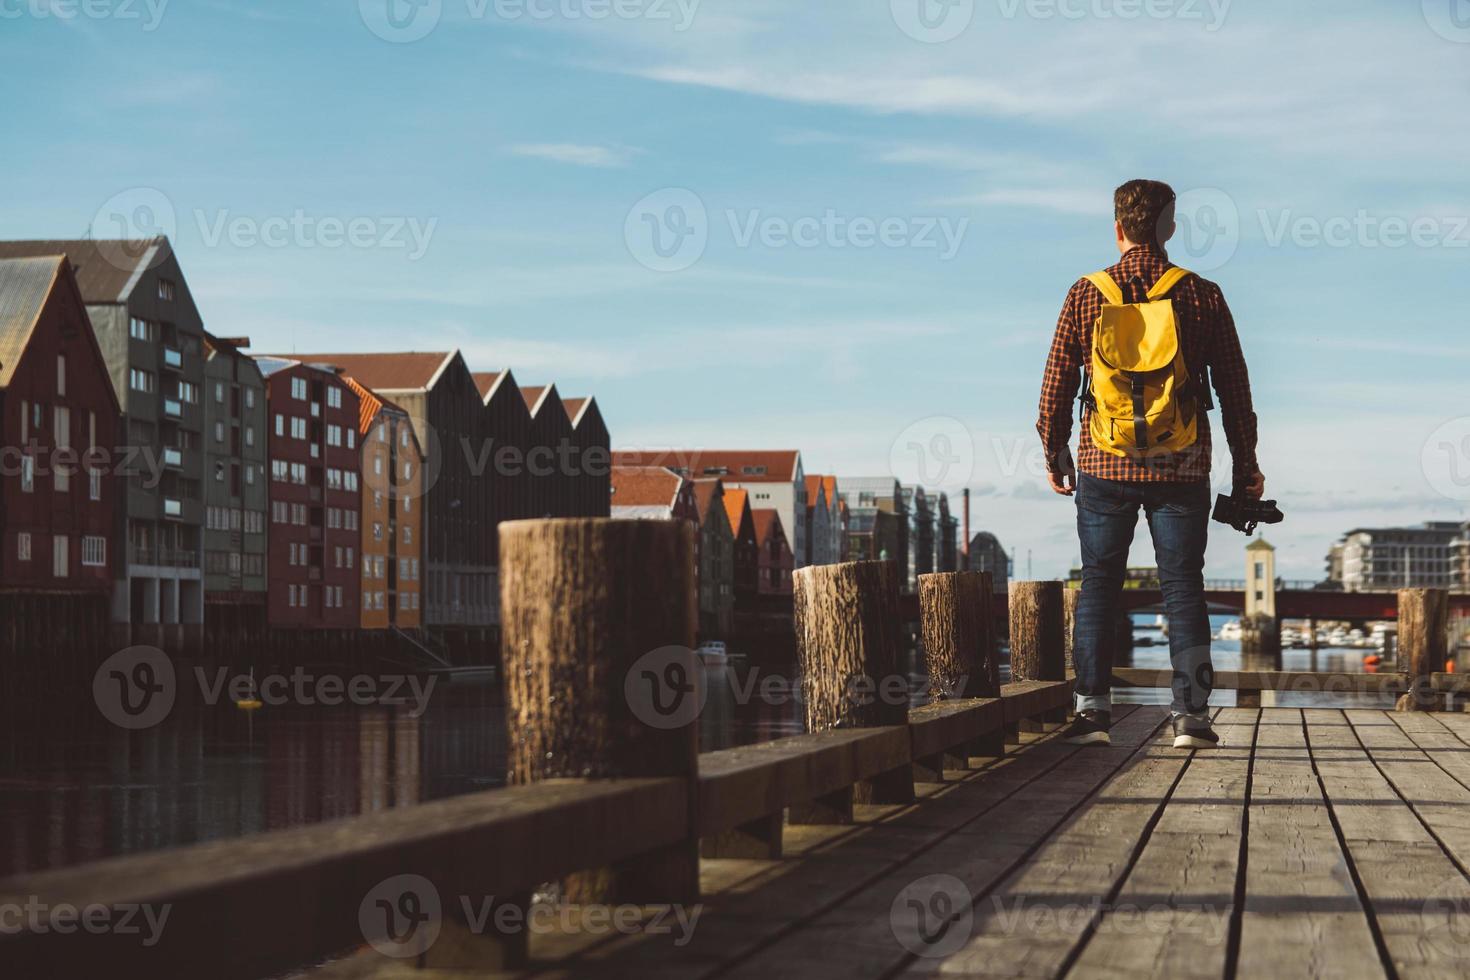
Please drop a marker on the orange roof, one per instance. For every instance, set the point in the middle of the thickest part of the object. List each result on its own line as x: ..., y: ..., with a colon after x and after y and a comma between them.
x: 766, y: 521
x: 532, y: 396
x: 406, y: 370
x: 815, y: 488
x: 704, y: 494
x: 369, y: 404
x: 486, y: 381
x: 735, y: 465
x: 574, y: 408
x: 735, y: 503
x: 829, y: 483
x: 645, y: 486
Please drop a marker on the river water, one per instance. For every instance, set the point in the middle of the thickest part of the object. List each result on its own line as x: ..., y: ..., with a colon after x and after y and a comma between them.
x: 74, y: 787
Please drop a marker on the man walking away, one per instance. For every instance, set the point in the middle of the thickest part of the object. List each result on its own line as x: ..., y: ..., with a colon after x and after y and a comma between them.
x: 1144, y: 338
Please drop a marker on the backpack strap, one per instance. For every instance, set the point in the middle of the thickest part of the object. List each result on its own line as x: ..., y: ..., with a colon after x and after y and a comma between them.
x: 1167, y: 282
x: 1106, y: 285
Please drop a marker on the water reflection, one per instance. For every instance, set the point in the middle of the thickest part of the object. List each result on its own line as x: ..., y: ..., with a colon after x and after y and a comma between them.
x: 74, y: 788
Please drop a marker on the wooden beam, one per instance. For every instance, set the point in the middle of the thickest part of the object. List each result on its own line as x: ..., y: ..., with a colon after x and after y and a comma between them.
x: 1298, y: 681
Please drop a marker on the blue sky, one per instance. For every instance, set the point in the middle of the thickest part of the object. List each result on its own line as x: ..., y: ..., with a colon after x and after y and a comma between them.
x: 878, y: 223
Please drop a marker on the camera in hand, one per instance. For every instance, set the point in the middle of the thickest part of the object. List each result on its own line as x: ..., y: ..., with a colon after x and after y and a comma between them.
x: 1243, y: 513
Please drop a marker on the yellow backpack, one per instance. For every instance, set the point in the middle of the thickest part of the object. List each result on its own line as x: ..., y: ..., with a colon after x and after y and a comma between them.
x: 1142, y: 398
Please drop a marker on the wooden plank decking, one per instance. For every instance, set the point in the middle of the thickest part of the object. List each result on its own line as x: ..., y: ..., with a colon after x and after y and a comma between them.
x: 1311, y: 843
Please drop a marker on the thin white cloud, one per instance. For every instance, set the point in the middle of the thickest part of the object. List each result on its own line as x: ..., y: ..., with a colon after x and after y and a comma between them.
x: 577, y: 154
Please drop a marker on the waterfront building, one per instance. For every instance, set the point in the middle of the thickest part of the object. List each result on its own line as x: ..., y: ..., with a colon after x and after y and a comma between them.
x: 1386, y: 559
x: 61, y: 420
x: 877, y: 521
x: 747, y: 569
x: 392, y: 506
x: 988, y: 555
x: 315, y: 495
x: 152, y: 336
x: 652, y: 492
x: 236, y: 490
x: 716, y: 557
x: 775, y: 559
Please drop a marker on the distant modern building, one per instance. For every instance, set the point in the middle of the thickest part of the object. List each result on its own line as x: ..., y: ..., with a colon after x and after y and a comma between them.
x: 315, y: 495
x: 236, y: 490
x: 946, y: 540
x: 988, y: 555
x: 877, y: 521
x: 1385, y: 559
x: 152, y: 336
x: 921, y: 535
x: 774, y: 478
x: 392, y: 507
x: 59, y: 412
x: 775, y: 558
x: 716, y: 553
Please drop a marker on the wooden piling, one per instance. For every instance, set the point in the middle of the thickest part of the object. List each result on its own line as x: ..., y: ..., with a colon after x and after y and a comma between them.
x: 1038, y: 637
x: 584, y: 602
x: 1423, y: 638
x: 847, y: 620
x: 1069, y: 625
x: 959, y: 643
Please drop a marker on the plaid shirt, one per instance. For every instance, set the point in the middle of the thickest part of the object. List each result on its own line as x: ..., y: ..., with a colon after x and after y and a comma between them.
x: 1207, y: 333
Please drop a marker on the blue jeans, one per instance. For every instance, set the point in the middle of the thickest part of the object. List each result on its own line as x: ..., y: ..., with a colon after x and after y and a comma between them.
x: 1178, y: 520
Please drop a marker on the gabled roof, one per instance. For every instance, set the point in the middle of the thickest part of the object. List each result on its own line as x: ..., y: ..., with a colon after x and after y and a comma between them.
x: 486, y: 381
x: 645, y: 486
x: 735, y: 465
x: 387, y: 371
x: 574, y: 408
x: 736, y: 502
x: 370, y: 403
x: 106, y: 269
x: 533, y: 396
x: 25, y: 285
x: 767, y: 521
x: 705, y: 492
x: 816, y: 490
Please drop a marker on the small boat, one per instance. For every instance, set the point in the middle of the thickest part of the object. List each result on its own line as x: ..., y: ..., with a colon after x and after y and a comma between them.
x: 251, y: 702
x: 712, y: 653
x: 1230, y: 630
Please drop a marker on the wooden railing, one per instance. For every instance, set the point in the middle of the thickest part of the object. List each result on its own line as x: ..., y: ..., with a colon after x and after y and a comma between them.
x: 605, y: 797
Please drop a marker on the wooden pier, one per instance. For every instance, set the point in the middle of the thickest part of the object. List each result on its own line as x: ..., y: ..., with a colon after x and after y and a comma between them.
x: 961, y: 838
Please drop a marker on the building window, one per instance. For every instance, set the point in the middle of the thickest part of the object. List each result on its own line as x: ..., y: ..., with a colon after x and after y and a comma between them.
x: 407, y: 534
x: 142, y: 330
x: 298, y: 389
x: 250, y: 436
x: 219, y: 432
x: 351, y: 438
x: 219, y: 392
x: 403, y: 437
x: 250, y: 474
x: 349, y: 557
x: 219, y: 472
x: 94, y: 551
x: 334, y: 397
x: 140, y: 380
x: 280, y: 424
x: 249, y: 397
x: 60, y: 555
x: 23, y: 546
x: 377, y: 531
x: 61, y: 375
x: 62, y: 479
x: 27, y: 474
x: 94, y: 484
x: 188, y: 392
x: 166, y: 290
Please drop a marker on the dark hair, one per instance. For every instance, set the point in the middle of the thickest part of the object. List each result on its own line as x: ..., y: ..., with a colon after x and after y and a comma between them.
x: 1141, y: 207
